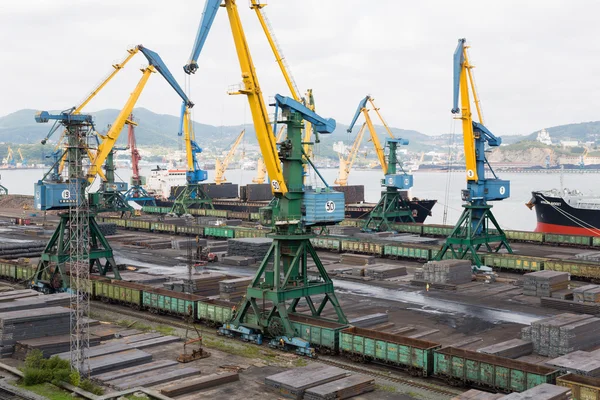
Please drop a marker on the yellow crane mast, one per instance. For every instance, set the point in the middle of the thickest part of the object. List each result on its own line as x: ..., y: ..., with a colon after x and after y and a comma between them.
x: 221, y: 166
x: 347, y: 162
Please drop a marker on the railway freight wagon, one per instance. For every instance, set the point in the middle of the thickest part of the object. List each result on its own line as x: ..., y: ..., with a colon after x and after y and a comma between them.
x: 214, y: 312
x: 514, y: 262
x: 8, y: 269
x: 582, y: 387
x: 163, y: 301
x: 120, y: 292
x: 322, y: 335
x: 414, y: 355
x: 461, y: 367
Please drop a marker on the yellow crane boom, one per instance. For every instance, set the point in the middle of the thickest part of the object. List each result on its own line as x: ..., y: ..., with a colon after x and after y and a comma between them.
x: 221, y: 166
x: 258, y: 107
x: 347, y: 162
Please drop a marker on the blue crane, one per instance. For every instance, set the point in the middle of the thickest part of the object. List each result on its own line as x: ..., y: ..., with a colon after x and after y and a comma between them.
x: 477, y: 226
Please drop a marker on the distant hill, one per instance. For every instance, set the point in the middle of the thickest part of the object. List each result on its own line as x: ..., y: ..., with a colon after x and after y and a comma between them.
x: 161, y: 130
x: 584, y: 131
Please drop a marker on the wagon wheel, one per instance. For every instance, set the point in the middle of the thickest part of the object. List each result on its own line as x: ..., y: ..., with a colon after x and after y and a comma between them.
x: 275, y: 327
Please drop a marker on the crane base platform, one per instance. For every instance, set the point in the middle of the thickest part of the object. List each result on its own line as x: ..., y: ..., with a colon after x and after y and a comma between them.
x: 476, y: 227
x: 191, y: 197
x: 52, y: 273
x: 392, y: 208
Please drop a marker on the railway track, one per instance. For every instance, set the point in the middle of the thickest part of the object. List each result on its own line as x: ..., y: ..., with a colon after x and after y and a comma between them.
x: 166, y: 320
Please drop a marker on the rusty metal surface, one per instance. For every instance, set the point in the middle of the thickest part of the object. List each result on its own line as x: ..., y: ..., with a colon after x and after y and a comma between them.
x: 398, y: 339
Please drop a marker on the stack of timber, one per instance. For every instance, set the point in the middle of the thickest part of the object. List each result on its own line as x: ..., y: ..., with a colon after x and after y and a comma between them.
x: 294, y: 383
x: 30, y: 248
x: 189, y: 385
x: 249, y: 247
x: 238, y: 261
x: 544, y: 283
x: 475, y: 394
x: 513, y: 348
x: 49, y: 345
x: 357, y: 259
x: 545, y: 391
x: 366, y: 321
x: 233, y: 289
x: 577, y: 362
x: 108, y: 229
x: 385, y: 271
x: 344, y: 388
x: 562, y: 334
x: 31, y: 324
x: 454, y: 272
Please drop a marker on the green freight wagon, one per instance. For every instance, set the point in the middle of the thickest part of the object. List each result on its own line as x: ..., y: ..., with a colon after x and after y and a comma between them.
x: 465, y: 367
x: 572, y: 240
x: 326, y: 243
x: 351, y: 222
x: 197, y: 211
x: 254, y: 216
x: 514, y: 262
x: 162, y: 227
x: 214, y: 312
x: 416, y: 355
x: 408, y: 227
x: 250, y: 233
x: 151, y: 209
x: 582, y: 387
x: 525, y: 236
x: 136, y: 223
x: 165, y: 301
x: 579, y: 269
x: 357, y: 246
x: 195, y: 230
x: 219, y: 231
x: 8, y: 270
x: 25, y: 272
x: 437, y: 230
x: 216, y: 213
x: 121, y: 292
x: 399, y: 250
x: 239, y: 215
x: 322, y: 335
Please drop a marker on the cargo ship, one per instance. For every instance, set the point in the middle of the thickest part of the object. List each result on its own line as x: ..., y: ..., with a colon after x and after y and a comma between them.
x: 568, y: 211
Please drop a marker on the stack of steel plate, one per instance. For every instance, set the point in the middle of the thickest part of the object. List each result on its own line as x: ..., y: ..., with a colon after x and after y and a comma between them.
x: 340, y: 230
x: 448, y: 272
x: 28, y: 303
x: 30, y: 324
x: 49, y: 345
x: 513, y: 348
x: 141, y: 277
x: 238, y: 261
x: 475, y: 394
x: 543, y: 283
x: 589, y: 256
x: 344, y: 388
x: 108, y: 229
x: 563, y: 334
x: 545, y: 391
x: 577, y: 362
x: 579, y: 292
x: 256, y: 192
x: 419, y: 274
x: 185, y: 244
x: 295, y: 382
x: 233, y: 289
x: 193, y: 384
x: 412, y: 239
x: 565, y: 294
x: 353, y: 194
x: 356, y: 259
x: 366, y: 321
x: 202, y: 284
x: 250, y: 247
x: 385, y: 271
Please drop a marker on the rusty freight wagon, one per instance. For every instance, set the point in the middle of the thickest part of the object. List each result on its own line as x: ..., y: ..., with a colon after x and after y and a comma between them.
x: 163, y: 301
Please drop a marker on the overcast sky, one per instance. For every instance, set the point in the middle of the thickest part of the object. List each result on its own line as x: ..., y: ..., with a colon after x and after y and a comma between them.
x: 537, y: 62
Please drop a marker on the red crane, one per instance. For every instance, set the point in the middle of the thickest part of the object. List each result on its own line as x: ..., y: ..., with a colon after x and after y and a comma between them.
x: 136, y: 192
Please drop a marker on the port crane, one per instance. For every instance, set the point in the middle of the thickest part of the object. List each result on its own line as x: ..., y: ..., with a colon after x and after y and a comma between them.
x: 221, y: 165
x: 347, y: 161
x: 23, y: 159
x: 54, y: 192
x: 294, y: 211
x: 392, y: 206
x: 136, y: 191
x: 261, y: 170
x: 9, y: 161
x: 476, y: 226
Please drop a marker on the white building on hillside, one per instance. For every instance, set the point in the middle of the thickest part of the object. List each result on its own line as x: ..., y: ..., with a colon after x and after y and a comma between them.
x: 544, y: 137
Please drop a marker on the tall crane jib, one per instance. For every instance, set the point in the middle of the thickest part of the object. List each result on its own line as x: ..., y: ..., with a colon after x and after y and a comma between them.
x: 477, y: 225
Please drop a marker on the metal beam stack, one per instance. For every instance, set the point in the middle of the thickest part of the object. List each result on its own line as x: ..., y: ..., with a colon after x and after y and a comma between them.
x: 344, y: 388
x: 453, y: 272
x: 544, y: 283
x: 249, y: 247
x: 233, y: 289
x: 545, y: 391
x: 295, y: 382
x: 385, y: 271
x: 513, y: 348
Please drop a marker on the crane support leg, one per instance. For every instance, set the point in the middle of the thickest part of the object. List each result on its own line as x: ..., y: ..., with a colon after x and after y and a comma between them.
x: 476, y: 227
x: 193, y: 196
x: 392, y: 208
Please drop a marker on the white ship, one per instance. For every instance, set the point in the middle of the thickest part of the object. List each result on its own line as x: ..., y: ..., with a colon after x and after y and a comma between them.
x: 161, y: 180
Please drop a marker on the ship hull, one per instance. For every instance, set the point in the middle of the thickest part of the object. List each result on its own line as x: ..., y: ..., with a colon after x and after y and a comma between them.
x: 555, y: 215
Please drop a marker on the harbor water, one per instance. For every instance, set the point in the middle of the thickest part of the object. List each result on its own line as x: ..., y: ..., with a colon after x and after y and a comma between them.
x: 510, y: 213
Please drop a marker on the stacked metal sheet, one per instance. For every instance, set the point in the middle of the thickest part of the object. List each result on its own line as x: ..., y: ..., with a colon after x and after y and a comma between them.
x: 250, y: 247
x: 256, y: 192
x: 357, y: 259
x: 185, y: 244
x: 238, y: 261
x: 385, y: 271
x: 49, y: 345
x: 419, y: 274
x: 29, y: 248
x: 545, y: 391
x: 30, y: 324
x: 341, y: 230
x: 412, y: 239
x: 513, y: 348
x: 203, y: 284
x: 353, y: 194
x: 448, y: 271
x: 577, y: 362
x: 543, y: 283
x: 589, y: 256
x: 474, y: 394
x: 563, y: 334
x: 295, y: 382
x: 181, y: 387
x: 366, y: 321
x: 565, y: 294
x: 569, y: 305
x: 344, y: 388
x: 233, y: 289
x: 108, y: 229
